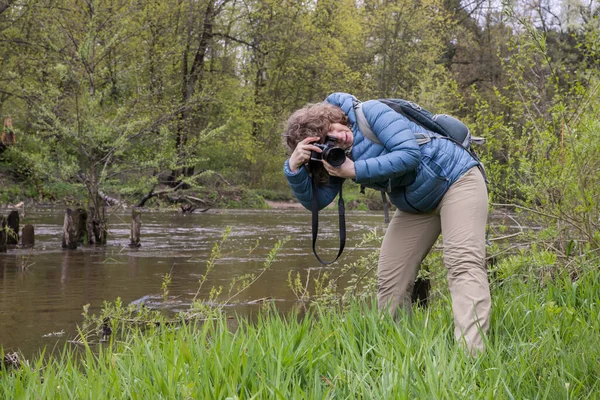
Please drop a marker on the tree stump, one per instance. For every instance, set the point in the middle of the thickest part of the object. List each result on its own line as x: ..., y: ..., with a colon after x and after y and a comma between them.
x: 27, y: 237
x: 80, y: 217
x: 3, y: 231
x: 136, y: 225
x: 12, y: 238
x: 69, y: 240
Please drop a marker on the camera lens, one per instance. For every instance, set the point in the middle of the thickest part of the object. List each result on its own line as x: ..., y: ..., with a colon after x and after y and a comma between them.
x: 334, y: 156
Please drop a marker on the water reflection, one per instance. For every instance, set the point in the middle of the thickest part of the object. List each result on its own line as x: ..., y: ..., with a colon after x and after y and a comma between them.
x: 43, y: 290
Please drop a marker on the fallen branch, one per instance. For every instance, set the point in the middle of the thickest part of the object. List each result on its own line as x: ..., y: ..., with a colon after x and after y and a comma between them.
x: 11, y: 361
x: 526, y: 209
x: 152, y: 193
x: 187, y: 199
x: 505, y: 237
x: 111, y: 201
x: 195, y: 199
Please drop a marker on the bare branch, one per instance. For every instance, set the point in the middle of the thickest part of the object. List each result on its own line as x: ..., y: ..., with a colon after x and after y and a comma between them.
x: 251, y: 45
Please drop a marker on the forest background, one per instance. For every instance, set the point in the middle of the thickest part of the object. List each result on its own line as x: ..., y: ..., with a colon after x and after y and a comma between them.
x: 131, y: 99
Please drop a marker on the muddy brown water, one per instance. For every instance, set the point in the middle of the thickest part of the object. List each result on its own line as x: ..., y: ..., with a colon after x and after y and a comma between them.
x: 43, y: 290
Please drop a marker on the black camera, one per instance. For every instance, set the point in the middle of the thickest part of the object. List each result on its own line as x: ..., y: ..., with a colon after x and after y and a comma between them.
x: 333, y: 154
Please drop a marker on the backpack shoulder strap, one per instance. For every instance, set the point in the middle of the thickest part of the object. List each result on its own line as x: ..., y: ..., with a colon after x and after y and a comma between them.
x: 365, y: 128
x: 416, y: 114
x: 363, y: 124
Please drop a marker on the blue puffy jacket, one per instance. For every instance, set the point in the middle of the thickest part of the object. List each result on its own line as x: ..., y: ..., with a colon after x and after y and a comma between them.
x: 416, y: 177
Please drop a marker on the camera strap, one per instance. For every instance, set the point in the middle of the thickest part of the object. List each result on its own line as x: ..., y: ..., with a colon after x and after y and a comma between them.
x: 315, y: 222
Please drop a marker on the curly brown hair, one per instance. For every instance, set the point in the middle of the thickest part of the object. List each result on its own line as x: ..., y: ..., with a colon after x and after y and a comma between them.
x: 313, y: 120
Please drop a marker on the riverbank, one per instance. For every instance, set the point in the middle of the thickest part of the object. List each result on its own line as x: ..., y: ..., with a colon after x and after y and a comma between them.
x: 544, y: 342
x: 284, y: 205
x: 188, y: 201
x: 213, y: 195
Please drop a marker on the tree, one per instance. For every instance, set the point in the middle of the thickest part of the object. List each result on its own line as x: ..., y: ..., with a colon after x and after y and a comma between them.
x: 94, y: 109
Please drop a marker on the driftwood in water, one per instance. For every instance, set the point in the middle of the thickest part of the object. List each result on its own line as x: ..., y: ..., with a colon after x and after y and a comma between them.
x: 189, y: 204
x: 3, y: 234
x: 12, y: 238
x: 80, y: 222
x: 187, y: 208
x: 69, y: 240
x: 27, y: 237
x: 136, y: 225
x: 11, y: 361
x: 152, y: 194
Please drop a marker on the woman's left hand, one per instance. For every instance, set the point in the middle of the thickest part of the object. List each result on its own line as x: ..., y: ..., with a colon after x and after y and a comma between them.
x: 346, y: 170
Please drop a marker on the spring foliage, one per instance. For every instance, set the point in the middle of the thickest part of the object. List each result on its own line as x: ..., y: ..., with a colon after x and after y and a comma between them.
x: 112, y: 94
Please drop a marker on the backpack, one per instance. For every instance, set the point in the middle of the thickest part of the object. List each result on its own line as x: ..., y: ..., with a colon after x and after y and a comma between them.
x: 440, y: 125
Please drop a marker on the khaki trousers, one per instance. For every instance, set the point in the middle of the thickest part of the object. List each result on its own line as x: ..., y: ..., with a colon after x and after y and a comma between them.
x: 461, y: 217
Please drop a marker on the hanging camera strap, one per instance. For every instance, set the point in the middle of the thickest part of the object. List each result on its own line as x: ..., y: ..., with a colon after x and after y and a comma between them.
x: 315, y: 222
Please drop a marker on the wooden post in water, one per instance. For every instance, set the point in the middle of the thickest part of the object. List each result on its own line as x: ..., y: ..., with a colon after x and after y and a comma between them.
x: 12, y: 238
x: 80, y: 222
x: 136, y: 225
x: 27, y: 237
x: 3, y: 231
x: 69, y: 240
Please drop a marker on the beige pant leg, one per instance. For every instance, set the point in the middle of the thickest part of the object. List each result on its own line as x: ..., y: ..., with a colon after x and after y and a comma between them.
x: 407, y: 241
x: 463, y: 212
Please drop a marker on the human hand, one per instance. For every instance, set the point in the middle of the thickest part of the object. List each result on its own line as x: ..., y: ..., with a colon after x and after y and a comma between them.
x: 346, y: 170
x: 301, y: 154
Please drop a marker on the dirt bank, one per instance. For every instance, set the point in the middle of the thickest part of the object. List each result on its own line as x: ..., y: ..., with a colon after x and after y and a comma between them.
x: 285, y: 204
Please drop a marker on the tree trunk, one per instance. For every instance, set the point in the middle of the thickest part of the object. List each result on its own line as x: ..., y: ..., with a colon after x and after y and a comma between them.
x: 89, y: 226
x: 96, y: 225
x: 4, y: 4
x: 99, y: 223
x: 80, y: 222
x: 192, y: 80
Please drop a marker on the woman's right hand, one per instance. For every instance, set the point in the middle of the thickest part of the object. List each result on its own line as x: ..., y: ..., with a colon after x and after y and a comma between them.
x: 301, y: 154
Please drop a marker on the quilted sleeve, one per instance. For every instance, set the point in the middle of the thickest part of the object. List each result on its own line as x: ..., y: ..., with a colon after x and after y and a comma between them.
x: 343, y: 100
x: 393, y: 131
x: 300, y: 183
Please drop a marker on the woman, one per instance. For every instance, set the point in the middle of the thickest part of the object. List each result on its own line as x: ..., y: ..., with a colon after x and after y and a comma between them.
x: 437, y: 188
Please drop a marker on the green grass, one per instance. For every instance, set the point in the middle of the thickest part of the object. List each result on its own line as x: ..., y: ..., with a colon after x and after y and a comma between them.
x: 544, y: 343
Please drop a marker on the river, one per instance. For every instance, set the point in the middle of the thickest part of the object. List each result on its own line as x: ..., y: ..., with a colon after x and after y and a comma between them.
x: 43, y: 290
